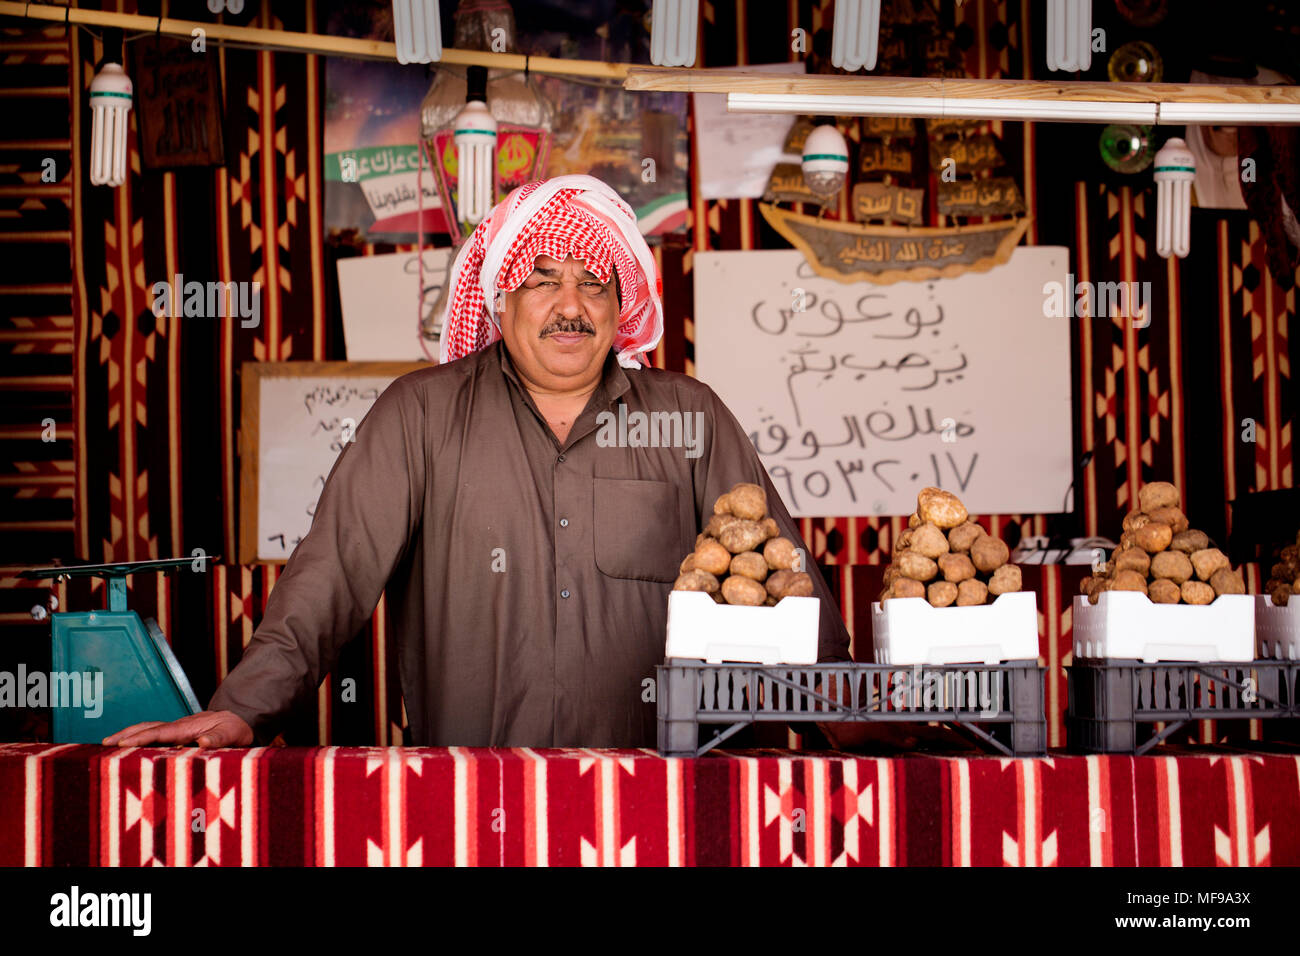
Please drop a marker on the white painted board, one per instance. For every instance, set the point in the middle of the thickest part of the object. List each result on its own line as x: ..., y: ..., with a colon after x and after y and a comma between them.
x: 737, y: 151
x: 303, y: 422
x: 872, y: 392
x: 381, y: 301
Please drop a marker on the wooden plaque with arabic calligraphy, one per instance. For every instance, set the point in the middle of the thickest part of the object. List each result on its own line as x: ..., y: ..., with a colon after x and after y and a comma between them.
x: 850, y: 252
x: 878, y: 201
x: 999, y: 196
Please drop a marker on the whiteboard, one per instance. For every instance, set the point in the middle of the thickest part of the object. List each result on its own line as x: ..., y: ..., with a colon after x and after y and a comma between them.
x: 873, y: 392
x: 295, y: 418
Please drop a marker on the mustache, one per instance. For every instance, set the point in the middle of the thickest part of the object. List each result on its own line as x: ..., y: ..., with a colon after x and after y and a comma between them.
x: 567, y: 326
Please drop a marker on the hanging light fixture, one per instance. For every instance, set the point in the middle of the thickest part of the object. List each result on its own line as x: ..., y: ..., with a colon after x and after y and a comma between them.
x: 1069, y: 35
x: 1175, y: 170
x: 825, y: 160
x: 523, y: 115
x: 476, y: 141
x: 110, y: 102
x: 417, y: 30
x: 855, y: 38
x: 673, y: 26
x: 230, y: 6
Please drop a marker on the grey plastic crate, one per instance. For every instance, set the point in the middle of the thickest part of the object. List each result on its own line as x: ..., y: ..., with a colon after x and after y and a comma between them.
x: 999, y: 705
x: 1113, y: 705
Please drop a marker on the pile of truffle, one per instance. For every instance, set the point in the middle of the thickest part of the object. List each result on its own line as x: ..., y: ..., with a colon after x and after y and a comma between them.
x: 1284, y: 578
x: 741, y: 558
x: 946, y: 558
x: 1162, y: 557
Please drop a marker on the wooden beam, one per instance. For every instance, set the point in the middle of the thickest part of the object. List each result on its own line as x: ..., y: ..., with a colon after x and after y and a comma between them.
x: 323, y: 44
x: 673, y: 79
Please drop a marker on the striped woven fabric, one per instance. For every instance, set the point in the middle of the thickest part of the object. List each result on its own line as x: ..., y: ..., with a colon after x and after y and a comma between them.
x: 87, y: 805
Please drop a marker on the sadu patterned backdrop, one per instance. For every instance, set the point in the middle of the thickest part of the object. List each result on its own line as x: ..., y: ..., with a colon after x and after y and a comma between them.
x: 146, y: 408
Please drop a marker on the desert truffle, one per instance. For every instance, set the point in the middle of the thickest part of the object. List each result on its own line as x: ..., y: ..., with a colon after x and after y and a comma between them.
x: 696, y: 581
x: 989, y: 553
x: 1164, y: 591
x: 1128, y: 581
x: 747, y: 501
x: 744, y: 535
x: 907, y: 588
x: 1189, y: 542
x: 1171, y: 516
x: 718, y: 523
x: 941, y: 508
x: 1153, y: 536
x: 1172, y: 566
x: 711, y: 556
x: 916, y: 566
x: 956, y: 567
x: 780, y: 554
x: 750, y: 564
x: 745, y: 591
x: 1158, y: 494
x: 1131, y: 559
x: 1207, y: 561
x: 1005, y: 580
x: 1227, y: 581
x: 971, y: 592
x: 1197, y: 592
x: 1134, y: 520
x: 963, y: 536
x: 929, y: 541
x: 784, y: 584
x: 941, y: 593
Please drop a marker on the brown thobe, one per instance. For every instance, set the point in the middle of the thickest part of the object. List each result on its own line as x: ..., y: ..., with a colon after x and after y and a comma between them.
x: 527, y: 579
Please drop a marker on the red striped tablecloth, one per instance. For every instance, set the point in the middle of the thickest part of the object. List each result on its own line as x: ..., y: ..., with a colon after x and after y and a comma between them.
x: 97, y: 806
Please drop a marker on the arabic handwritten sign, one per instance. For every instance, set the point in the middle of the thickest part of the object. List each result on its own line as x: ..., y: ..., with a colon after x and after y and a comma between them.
x: 296, y: 418
x: 872, y: 392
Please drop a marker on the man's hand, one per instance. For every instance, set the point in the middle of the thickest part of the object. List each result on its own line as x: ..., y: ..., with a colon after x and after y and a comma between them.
x: 209, y: 728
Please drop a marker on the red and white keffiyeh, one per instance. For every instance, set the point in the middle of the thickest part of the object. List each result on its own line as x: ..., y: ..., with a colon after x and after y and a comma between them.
x: 573, y: 215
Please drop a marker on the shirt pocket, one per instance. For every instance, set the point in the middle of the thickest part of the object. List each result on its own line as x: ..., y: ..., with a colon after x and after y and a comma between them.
x: 637, y: 529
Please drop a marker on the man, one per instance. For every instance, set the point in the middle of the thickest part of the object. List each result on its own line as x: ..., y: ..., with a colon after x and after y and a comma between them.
x: 526, y: 557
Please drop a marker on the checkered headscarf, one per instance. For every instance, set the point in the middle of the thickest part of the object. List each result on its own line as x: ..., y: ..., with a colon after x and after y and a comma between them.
x: 573, y: 215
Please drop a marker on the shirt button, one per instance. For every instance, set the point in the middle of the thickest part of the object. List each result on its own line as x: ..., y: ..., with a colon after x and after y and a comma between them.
x: 564, y: 522
x: 564, y: 593
x: 560, y: 459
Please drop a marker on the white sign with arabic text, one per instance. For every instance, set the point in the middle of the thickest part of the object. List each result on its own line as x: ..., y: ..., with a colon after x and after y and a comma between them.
x: 858, y: 395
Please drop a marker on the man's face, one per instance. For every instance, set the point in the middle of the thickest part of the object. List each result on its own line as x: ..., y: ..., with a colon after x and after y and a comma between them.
x: 559, y: 325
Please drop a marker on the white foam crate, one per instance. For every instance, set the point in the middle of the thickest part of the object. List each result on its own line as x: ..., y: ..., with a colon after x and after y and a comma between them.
x: 911, y: 631
x: 1128, y: 625
x: 1277, y: 629
x: 699, y: 628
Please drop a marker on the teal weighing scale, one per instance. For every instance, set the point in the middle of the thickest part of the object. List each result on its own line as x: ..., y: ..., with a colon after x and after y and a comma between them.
x: 142, y: 678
